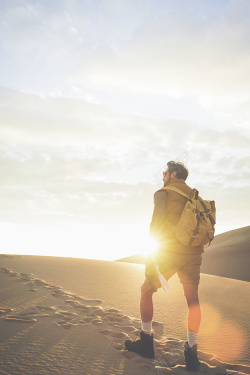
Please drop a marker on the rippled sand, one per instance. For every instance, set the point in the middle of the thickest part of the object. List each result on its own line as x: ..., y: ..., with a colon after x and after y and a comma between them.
x: 71, y: 316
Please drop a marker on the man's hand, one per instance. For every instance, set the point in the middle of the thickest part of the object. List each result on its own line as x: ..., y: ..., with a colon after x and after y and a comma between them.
x: 151, y: 274
x: 154, y: 283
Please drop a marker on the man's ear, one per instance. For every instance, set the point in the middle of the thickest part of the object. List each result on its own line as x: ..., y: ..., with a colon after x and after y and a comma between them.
x: 173, y: 175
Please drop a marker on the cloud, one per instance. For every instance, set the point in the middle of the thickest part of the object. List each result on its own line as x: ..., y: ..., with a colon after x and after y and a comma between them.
x: 145, y: 47
x: 65, y: 160
x: 181, y: 54
x: 35, y: 189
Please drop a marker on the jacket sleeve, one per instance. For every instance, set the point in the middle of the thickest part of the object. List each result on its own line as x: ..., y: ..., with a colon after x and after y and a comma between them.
x: 159, y: 213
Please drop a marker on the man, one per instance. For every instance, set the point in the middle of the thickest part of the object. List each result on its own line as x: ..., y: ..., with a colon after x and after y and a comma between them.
x: 172, y: 257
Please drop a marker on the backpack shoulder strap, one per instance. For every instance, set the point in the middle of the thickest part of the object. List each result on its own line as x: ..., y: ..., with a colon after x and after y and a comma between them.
x: 172, y: 188
x: 193, y: 195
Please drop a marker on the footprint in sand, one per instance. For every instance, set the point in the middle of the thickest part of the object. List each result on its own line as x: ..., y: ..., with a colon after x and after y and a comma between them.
x: 96, y: 321
x: 91, y: 302
x: 129, y: 329
x: 25, y: 277
x: 65, y: 314
x: 5, y: 311
x: 65, y: 325
x: 8, y: 271
x: 73, y: 303
x: 12, y: 318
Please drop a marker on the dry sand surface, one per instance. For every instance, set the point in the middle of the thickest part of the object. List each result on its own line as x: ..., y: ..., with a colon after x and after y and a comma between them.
x: 71, y: 316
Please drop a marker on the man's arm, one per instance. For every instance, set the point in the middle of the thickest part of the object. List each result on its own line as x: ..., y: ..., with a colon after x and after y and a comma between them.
x: 156, y: 230
x: 159, y: 214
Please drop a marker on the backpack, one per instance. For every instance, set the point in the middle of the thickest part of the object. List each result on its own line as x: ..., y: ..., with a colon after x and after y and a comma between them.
x: 196, y: 224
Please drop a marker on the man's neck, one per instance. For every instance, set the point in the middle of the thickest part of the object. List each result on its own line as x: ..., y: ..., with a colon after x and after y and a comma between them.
x: 173, y: 181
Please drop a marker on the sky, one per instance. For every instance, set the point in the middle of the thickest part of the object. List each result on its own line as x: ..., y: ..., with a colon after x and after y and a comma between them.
x: 97, y: 96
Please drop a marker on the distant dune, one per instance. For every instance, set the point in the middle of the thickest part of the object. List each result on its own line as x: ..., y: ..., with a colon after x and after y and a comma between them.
x: 227, y: 256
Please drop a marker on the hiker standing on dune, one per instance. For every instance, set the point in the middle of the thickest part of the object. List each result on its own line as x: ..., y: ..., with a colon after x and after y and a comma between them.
x: 172, y: 257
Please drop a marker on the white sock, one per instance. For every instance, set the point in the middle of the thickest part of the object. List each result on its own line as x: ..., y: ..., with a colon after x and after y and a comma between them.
x: 146, y: 327
x: 192, y: 338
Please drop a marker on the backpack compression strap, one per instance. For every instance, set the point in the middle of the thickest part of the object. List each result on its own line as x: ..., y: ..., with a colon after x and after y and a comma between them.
x: 207, y: 211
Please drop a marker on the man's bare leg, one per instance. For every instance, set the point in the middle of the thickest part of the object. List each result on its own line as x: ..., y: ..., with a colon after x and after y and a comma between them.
x: 194, y: 311
x: 146, y: 304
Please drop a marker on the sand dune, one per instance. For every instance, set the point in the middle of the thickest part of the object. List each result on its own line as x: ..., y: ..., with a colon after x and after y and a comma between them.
x: 227, y: 256
x: 49, y: 326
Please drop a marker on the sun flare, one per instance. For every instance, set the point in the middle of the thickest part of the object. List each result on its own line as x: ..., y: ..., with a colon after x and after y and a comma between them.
x: 150, y: 246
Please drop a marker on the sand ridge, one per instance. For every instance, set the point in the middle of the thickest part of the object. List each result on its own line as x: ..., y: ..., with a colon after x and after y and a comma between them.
x: 42, y: 304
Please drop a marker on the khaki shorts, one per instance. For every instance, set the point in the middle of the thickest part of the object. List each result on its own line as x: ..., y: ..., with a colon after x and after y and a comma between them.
x: 187, y: 266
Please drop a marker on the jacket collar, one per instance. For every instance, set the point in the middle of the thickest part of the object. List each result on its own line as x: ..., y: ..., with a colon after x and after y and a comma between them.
x: 176, y: 181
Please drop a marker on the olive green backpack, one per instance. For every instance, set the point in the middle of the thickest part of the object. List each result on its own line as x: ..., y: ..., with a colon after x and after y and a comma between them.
x: 196, y: 224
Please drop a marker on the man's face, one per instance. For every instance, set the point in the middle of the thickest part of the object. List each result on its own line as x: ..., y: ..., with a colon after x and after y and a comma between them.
x: 166, y: 177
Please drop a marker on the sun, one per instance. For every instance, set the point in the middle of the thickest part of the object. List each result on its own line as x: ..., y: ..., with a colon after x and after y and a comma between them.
x: 148, y: 246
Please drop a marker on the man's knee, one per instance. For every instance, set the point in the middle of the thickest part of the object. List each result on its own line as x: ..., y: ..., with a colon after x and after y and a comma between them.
x: 150, y: 286
x: 191, y: 294
x: 192, y: 301
x: 146, y: 288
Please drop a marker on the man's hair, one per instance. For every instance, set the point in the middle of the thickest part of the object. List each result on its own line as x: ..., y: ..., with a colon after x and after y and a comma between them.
x: 180, y: 169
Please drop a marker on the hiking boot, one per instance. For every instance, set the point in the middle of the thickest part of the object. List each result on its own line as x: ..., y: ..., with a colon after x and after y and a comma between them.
x: 192, y: 362
x: 143, y: 346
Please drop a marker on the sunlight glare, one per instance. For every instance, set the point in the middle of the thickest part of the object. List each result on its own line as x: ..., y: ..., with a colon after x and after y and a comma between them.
x: 229, y: 337
x: 106, y: 242
x: 149, y: 246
